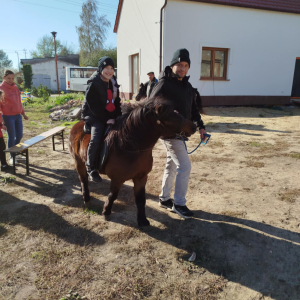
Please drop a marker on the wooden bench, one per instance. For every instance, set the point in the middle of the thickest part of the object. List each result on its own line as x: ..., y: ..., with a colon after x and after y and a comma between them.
x: 22, y: 148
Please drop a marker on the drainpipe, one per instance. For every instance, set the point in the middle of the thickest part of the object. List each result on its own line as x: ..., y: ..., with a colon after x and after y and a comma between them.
x: 161, y: 28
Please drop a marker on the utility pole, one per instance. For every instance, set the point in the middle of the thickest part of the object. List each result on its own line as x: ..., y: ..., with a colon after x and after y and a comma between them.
x: 25, y: 52
x: 54, y: 35
x: 18, y: 61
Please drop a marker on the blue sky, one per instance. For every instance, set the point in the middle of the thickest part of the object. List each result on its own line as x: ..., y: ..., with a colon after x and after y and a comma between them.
x: 23, y: 22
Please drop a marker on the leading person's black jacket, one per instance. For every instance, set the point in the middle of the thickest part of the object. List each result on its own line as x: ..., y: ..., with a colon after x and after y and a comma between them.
x: 181, y: 94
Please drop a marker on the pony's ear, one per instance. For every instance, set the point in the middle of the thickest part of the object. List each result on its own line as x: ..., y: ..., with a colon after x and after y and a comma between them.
x: 126, y: 108
x: 159, y: 109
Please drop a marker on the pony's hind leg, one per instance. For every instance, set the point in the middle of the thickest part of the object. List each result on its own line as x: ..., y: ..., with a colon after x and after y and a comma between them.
x: 83, y: 177
x: 112, y: 196
x: 140, y: 199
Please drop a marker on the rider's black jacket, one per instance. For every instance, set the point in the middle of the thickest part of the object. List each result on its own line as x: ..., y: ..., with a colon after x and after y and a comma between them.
x: 181, y: 94
x: 96, y: 99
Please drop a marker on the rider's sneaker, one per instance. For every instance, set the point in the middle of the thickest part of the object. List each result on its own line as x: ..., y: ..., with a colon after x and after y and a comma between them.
x: 94, y: 176
x: 183, y: 211
x: 168, y: 204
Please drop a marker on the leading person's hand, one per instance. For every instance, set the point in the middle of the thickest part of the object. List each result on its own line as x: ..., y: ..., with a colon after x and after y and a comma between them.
x: 202, y: 132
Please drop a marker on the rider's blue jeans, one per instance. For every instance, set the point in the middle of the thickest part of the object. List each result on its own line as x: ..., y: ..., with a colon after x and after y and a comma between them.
x: 97, y: 131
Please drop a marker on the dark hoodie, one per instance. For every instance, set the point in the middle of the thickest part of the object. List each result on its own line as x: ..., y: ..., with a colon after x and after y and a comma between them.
x: 94, y: 105
x: 181, y: 94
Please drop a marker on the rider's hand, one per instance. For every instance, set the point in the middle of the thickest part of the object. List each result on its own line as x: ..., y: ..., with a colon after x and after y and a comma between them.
x: 111, y: 121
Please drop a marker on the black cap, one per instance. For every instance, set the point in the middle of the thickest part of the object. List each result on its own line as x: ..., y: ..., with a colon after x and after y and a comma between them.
x: 150, y: 73
x: 103, y: 62
x: 179, y: 56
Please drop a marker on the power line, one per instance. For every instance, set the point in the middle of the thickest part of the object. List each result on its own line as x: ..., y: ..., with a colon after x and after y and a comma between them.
x: 80, y: 4
x: 11, y: 50
x: 146, y: 27
x: 108, y: 12
x: 47, y: 6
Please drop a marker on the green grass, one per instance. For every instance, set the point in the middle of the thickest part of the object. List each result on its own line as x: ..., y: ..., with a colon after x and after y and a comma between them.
x: 97, y: 210
x: 7, y: 179
x: 38, y: 111
x: 260, y: 145
x: 295, y: 155
x: 70, y: 124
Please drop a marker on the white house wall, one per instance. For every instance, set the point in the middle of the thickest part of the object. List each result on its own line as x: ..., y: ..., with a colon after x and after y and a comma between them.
x: 263, y: 46
x: 49, y: 68
x: 138, y: 32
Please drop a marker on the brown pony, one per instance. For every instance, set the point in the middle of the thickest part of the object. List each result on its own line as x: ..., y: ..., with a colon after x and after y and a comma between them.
x: 130, y: 145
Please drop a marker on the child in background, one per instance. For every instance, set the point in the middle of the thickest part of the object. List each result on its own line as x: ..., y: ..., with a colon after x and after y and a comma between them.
x: 12, y: 111
x: 4, y: 165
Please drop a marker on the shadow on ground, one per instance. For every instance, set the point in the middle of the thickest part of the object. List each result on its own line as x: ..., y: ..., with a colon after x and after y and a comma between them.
x: 253, y: 111
x: 259, y: 256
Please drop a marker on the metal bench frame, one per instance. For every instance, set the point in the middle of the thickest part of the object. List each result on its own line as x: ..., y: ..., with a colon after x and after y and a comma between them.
x: 25, y: 152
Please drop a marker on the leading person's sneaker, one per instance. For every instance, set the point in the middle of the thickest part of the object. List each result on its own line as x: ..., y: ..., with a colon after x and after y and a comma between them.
x: 183, y: 211
x: 168, y: 204
x: 94, y: 176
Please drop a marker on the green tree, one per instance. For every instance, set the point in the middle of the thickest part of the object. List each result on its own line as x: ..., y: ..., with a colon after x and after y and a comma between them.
x: 45, y: 47
x: 4, y: 62
x: 91, y: 58
x: 27, y: 73
x: 93, y: 29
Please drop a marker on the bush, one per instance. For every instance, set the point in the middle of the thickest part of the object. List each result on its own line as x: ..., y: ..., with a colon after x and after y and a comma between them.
x: 42, y: 91
x: 27, y: 72
x: 63, y: 99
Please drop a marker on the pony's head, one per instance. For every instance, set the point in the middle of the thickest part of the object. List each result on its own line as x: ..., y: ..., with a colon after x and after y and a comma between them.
x: 171, y: 122
x: 148, y: 120
x: 158, y: 113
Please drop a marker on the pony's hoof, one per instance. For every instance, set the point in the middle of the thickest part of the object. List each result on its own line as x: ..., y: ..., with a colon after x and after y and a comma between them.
x: 143, y: 222
x: 87, y: 204
x: 107, y: 217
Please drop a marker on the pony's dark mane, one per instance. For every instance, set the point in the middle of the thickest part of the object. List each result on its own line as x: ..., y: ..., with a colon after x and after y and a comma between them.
x: 134, y: 118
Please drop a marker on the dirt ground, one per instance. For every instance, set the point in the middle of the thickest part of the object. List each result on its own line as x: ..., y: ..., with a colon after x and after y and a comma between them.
x: 244, y: 190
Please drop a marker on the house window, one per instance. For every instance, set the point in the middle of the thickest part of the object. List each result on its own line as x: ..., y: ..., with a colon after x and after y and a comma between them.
x: 214, y: 63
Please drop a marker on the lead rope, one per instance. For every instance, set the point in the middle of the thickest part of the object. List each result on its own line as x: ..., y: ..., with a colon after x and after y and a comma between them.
x: 186, y: 146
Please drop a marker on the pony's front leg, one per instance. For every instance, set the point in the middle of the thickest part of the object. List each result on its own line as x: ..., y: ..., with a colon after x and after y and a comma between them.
x: 112, y: 196
x: 83, y: 177
x: 140, y: 199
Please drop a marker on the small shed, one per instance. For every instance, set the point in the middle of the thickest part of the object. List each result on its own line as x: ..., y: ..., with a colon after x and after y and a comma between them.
x: 44, y: 70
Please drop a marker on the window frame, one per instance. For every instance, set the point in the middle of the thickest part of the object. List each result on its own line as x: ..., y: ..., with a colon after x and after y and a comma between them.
x: 138, y: 73
x: 212, y: 64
